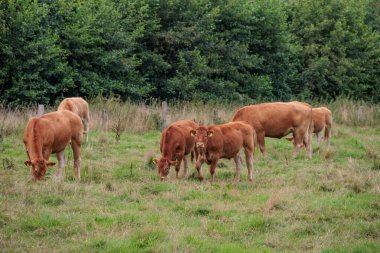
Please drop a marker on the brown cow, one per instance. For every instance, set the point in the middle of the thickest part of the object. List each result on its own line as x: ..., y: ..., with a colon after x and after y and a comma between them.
x: 278, y: 119
x: 51, y: 133
x: 224, y: 141
x: 80, y: 107
x: 322, y: 119
x: 176, y: 142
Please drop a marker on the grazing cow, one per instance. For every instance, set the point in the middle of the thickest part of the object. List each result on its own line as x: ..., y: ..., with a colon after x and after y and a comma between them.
x: 80, y: 107
x: 322, y: 119
x: 49, y: 134
x: 224, y: 141
x: 176, y: 142
x: 278, y: 119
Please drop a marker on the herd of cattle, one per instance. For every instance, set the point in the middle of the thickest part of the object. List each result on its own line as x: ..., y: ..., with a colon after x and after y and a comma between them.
x: 52, y: 132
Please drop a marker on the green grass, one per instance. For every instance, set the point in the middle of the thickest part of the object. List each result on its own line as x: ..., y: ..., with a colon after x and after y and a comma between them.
x: 327, y: 204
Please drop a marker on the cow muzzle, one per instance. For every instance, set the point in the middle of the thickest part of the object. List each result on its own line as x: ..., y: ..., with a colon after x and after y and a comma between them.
x: 200, y: 145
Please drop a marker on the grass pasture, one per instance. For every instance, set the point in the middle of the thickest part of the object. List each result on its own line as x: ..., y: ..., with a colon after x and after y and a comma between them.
x: 330, y: 203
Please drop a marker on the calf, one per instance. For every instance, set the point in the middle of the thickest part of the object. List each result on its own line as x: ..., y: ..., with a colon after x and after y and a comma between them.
x: 176, y: 143
x: 51, y: 133
x: 224, y: 141
x: 322, y: 119
x: 277, y: 120
x: 80, y: 107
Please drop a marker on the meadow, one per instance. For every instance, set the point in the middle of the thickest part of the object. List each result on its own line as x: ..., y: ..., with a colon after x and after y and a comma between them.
x: 330, y: 203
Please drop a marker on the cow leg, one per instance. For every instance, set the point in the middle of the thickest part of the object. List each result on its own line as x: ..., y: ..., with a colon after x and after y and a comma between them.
x: 249, y: 161
x: 198, y: 166
x: 178, y: 165
x: 196, y: 154
x: 298, y: 142
x: 328, y: 135
x: 61, y: 162
x: 261, y: 142
x: 46, y: 154
x: 319, y: 138
x: 238, y: 167
x: 76, y: 150
x: 87, y: 128
x: 212, y: 169
x: 308, y: 138
x: 185, y: 165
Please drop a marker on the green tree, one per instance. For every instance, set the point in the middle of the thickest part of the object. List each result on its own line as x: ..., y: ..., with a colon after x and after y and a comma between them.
x: 32, y: 61
x: 340, y: 52
x: 99, y: 37
x: 221, y: 50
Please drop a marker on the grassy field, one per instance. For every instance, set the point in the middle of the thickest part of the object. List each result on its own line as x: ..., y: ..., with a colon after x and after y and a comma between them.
x: 330, y: 203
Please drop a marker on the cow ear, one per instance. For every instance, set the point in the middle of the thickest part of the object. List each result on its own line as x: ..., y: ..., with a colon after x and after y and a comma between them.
x: 173, y: 162
x: 50, y: 163
x: 155, y: 161
x: 28, y: 163
x: 192, y: 133
x: 210, y: 133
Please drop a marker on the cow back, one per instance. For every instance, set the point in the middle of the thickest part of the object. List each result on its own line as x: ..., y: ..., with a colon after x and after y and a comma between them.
x: 177, y: 138
x: 322, y: 116
x: 62, y: 126
x: 229, y: 138
x: 76, y: 105
x: 275, y: 119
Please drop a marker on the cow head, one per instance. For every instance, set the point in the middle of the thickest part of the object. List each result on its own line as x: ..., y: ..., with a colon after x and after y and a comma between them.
x: 163, y: 166
x: 39, y: 167
x: 201, y: 135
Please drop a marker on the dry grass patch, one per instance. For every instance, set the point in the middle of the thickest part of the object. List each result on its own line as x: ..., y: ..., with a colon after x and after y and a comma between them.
x: 276, y: 201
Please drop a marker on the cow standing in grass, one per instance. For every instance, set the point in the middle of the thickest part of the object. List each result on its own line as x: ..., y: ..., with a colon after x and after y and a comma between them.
x: 224, y: 141
x: 322, y: 120
x: 176, y: 143
x: 277, y: 120
x: 51, y: 133
x: 80, y: 107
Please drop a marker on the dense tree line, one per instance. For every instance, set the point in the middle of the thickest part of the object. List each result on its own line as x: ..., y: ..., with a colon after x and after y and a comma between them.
x: 220, y: 50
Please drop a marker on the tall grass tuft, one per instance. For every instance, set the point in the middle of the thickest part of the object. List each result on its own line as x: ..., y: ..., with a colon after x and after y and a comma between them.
x: 139, y: 117
x: 13, y: 121
x: 128, y: 116
x: 355, y: 113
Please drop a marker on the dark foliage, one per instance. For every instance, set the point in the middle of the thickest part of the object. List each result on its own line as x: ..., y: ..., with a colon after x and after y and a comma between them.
x: 189, y: 50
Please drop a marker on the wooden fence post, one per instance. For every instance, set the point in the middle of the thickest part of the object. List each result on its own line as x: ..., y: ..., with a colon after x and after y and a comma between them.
x: 164, y: 114
x: 215, y: 117
x: 41, y: 110
x: 104, y: 119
